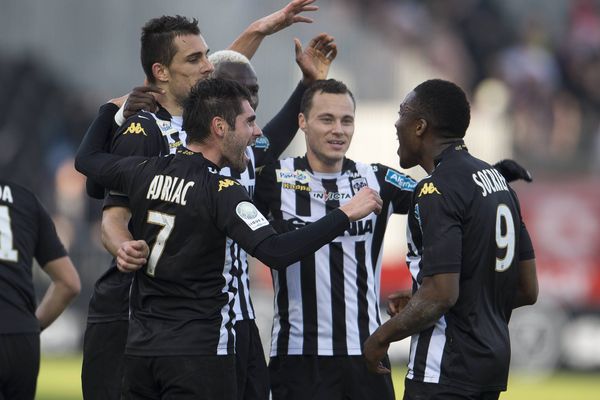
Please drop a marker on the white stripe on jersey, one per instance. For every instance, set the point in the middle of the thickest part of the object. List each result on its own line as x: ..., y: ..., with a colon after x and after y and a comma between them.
x: 249, y: 183
x: 222, y: 348
x: 325, y: 314
x: 437, y: 342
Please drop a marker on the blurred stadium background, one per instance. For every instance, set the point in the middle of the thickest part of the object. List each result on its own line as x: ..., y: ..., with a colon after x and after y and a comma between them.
x: 531, y: 69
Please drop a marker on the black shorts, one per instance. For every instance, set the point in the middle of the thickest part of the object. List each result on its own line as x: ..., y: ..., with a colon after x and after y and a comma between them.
x: 103, y: 360
x: 19, y: 365
x: 180, y: 377
x: 414, y: 390
x: 327, y: 377
x: 251, y: 368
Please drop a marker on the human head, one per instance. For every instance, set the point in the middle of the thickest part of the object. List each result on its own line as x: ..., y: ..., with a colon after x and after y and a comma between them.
x: 174, y: 54
x: 221, y: 108
x: 435, y: 107
x: 232, y: 65
x: 327, y: 119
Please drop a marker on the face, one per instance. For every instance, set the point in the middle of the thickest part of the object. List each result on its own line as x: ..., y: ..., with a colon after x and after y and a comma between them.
x: 238, y: 138
x: 406, y: 128
x: 189, y: 65
x: 242, y: 74
x: 328, y: 126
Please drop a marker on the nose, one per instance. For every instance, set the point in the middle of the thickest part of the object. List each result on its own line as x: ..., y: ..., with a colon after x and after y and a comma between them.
x: 337, y: 127
x: 257, y: 131
x: 208, y: 67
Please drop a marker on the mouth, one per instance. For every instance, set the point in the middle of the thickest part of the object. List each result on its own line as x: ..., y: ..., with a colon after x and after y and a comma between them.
x: 337, y: 144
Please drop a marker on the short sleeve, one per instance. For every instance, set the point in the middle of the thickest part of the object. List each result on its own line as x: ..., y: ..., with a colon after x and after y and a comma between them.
x: 49, y: 247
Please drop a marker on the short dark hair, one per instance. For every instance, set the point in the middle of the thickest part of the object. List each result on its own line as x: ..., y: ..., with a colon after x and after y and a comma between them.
x: 208, y: 99
x: 445, y: 106
x: 157, y: 40
x: 323, y: 86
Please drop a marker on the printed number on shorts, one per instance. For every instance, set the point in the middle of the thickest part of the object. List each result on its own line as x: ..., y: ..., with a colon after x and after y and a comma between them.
x: 7, y: 252
x: 505, y: 240
x: 166, y: 222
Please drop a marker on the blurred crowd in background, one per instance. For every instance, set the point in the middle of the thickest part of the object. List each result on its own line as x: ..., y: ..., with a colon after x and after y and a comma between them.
x: 538, y: 60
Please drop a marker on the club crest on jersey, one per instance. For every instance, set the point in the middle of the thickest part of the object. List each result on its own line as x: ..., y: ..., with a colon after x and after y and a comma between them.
x: 250, y: 215
x: 357, y: 184
x: 262, y: 142
x: 284, y: 175
x: 225, y: 183
x: 135, y: 128
x: 428, y: 188
x: 400, y: 180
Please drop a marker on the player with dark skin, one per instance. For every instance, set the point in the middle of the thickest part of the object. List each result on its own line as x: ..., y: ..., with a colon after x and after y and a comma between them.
x: 423, y: 143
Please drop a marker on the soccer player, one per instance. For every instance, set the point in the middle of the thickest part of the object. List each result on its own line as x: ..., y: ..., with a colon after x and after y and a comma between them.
x: 174, y: 57
x: 27, y: 232
x: 470, y: 257
x: 180, y: 341
x: 327, y: 304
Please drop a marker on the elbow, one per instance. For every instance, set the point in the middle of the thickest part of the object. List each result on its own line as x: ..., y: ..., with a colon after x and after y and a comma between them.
x: 531, y: 296
x: 73, y: 287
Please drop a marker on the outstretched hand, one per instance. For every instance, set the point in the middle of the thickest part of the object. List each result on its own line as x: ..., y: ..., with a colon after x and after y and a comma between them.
x: 315, y: 60
x: 513, y: 171
x: 288, y: 15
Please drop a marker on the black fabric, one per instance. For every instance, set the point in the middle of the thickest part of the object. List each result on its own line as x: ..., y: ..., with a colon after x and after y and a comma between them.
x: 465, y: 219
x: 250, y: 365
x: 19, y: 366
x: 103, y: 365
x: 327, y: 378
x: 431, y: 391
x: 182, y: 378
x: 27, y: 232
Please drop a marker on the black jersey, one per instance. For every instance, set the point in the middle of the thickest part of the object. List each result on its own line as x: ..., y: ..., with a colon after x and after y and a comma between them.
x: 466, y: 219
x: 143, y: 135
x: 26, y: 232
x: 328, y: 303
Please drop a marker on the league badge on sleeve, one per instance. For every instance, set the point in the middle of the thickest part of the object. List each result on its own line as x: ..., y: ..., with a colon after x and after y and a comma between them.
x: 262, y: 142
x: 250, y: 215
x: 400, y: 180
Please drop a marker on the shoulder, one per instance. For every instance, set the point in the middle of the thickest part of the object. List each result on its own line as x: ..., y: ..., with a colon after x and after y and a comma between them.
x: 140, y: 123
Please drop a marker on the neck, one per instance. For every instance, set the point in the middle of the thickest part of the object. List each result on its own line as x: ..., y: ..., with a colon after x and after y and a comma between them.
x: 436, y: 148
x: 318, y: 165
x: 170, y: 104
x: 209, y: 151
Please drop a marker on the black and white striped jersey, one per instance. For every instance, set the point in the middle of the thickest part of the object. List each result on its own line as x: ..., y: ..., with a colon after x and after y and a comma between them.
x: 465, y: 219
x: 328, y: 303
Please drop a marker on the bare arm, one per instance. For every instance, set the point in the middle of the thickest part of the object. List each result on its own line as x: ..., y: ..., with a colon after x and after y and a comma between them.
x: 435, y: 297
x: 249, y: 40
x: 65, y: 286
x: 130, y: 254
x: 527, y: 291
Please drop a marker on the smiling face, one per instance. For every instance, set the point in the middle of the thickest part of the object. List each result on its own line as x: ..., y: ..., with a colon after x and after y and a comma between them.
x: 189, y: 65
x: 329, y: 127
x: 236, y: 139
x: 407, y: 127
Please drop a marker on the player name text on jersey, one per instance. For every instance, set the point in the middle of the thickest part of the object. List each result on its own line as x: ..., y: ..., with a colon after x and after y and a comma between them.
x: 490, y: 181
x: 169, y: 188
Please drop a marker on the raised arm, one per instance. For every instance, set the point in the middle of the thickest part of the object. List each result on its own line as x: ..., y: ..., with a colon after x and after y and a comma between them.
x: 314, y: 62
x: 251, y: 38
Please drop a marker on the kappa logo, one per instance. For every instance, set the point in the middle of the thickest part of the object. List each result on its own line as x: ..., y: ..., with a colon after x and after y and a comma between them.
x: 225, y: 183
x: 428, y: 188
x: 135, y: 128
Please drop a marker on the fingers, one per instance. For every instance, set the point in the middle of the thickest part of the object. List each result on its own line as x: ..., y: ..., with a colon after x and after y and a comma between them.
x: 298, y: 47
x: 132, y: 255
x: 382, y: 370
x: 147, y: 89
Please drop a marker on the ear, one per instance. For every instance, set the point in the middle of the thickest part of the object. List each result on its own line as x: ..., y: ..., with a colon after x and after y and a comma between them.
x: 421, y: 126
x: 160, y: 72
x: 302, y: 122
x: 218, y: 126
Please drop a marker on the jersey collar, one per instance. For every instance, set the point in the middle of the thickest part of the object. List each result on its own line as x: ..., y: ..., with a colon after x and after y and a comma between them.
x: 197, y: 158
x: 453, y: 148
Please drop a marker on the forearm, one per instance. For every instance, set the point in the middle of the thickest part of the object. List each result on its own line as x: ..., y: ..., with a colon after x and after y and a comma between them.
x: 282, y: 128
x: 91, y: 157
x: 279, y: 251
x: 248, y: 41
x: 527, y: 289
x: 115, y: 229
x: 64, y: 288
